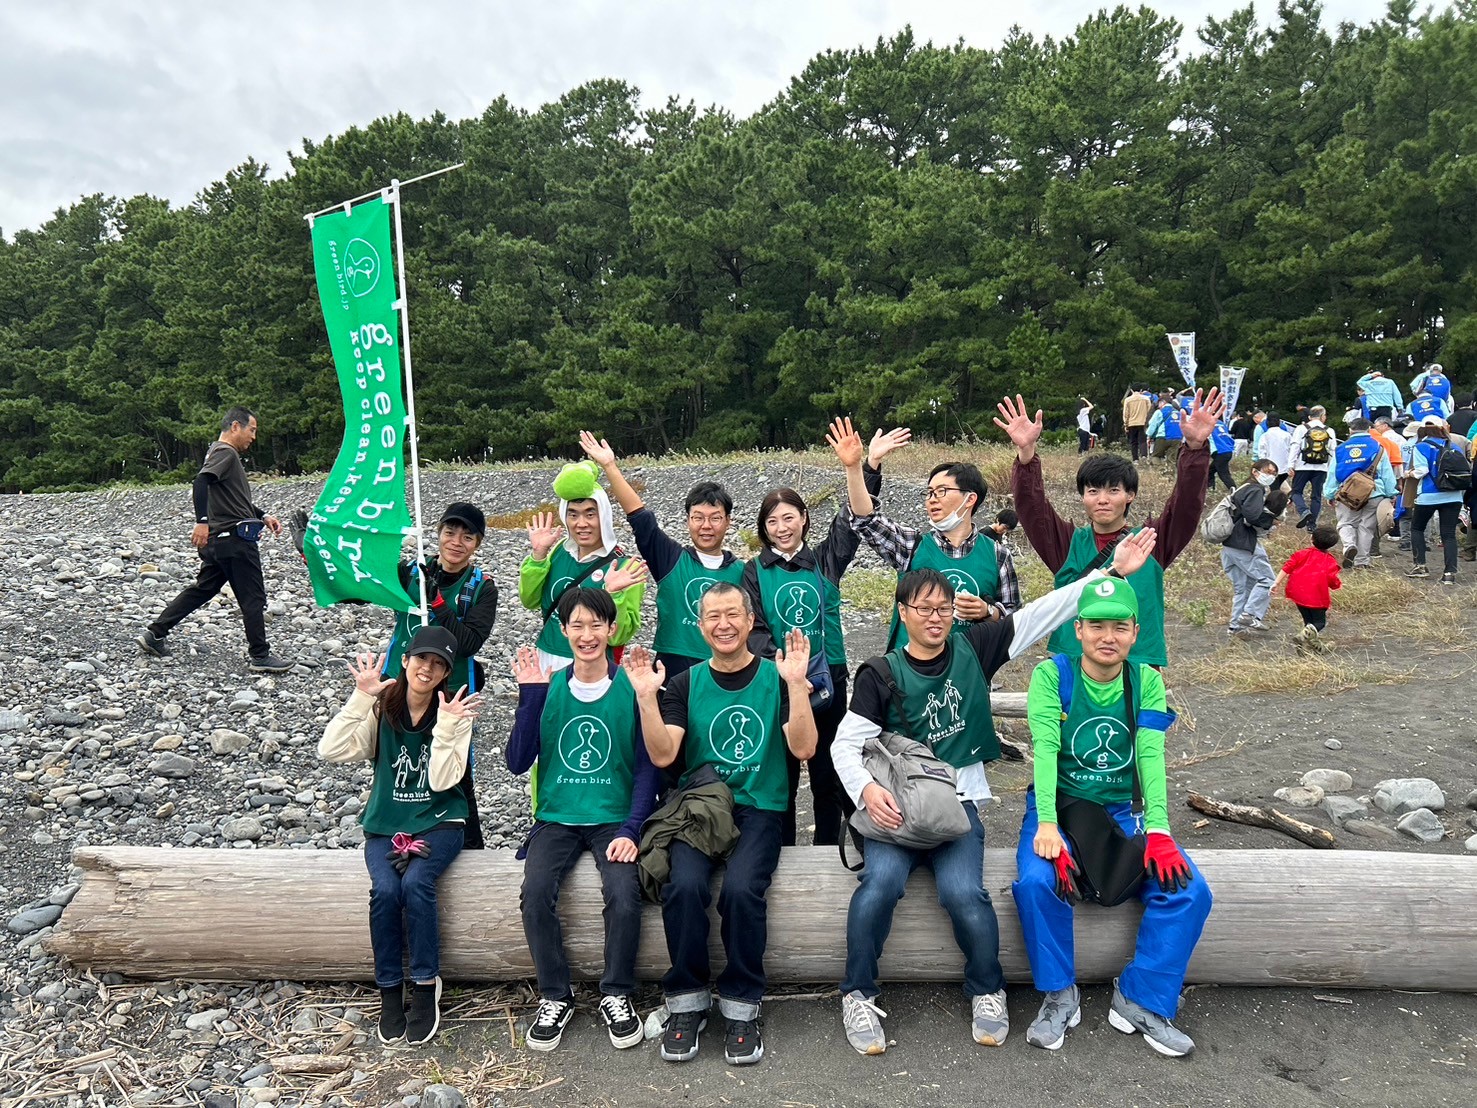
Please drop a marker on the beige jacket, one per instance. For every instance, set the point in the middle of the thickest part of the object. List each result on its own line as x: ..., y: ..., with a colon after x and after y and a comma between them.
x: 353, y: 736
x: 1136, y: 410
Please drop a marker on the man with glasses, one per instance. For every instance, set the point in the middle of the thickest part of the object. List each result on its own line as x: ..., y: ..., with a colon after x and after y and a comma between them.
x: 981, y: 571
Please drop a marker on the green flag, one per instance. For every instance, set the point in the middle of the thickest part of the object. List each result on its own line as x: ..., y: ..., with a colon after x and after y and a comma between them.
x: 356, y: 529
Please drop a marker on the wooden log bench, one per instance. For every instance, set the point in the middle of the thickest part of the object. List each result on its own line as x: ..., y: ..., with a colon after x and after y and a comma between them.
x: 1335, y: 919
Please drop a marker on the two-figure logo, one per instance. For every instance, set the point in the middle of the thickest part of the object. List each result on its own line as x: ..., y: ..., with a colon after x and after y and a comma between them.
x: 584, y: 745
x: 361, y: 267
x: 411, y: 773
x: 951, y: 700
x: 737, y: 734
x: 1100, y: 744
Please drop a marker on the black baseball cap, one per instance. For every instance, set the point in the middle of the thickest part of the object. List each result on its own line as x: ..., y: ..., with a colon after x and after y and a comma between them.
x: 469, y: 515
x: 433, y: 640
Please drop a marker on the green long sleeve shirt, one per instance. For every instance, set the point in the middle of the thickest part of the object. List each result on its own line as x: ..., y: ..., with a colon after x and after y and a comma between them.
x: 534, y: 571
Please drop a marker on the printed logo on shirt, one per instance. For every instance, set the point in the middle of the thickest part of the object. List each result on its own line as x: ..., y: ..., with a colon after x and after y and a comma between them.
x: 411, y: 774
x: 737, y: 734
x: 799, y: 606
x: 560, y: 585
x: 1100, y: 744
x: 584, y: 745
x: 693, y: 596
x: 948, y: 700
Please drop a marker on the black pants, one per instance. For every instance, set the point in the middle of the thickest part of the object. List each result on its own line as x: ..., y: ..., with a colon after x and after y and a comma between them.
x: 225, y: 561
x: 1084, y: 441
x: 832, y: 806
x: 1220, y: 466
x: 1136, y: 443
x: 553, y: 849
x: 1318, y: 617
x: 1447, y: 519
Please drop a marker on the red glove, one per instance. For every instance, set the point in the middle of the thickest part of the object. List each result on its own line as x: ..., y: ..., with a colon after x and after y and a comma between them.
x: 438, y: 605
x: 1066, y: 884
x: 1165, y: 863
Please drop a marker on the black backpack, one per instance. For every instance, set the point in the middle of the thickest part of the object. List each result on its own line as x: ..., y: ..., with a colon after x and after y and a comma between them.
x: 1452, y: 471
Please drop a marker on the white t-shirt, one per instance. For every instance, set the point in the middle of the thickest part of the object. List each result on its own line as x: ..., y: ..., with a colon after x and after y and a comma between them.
x: 1084, y: 419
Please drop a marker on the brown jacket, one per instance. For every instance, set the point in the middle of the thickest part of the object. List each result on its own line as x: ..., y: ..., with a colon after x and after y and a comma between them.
x: 1135, y: 410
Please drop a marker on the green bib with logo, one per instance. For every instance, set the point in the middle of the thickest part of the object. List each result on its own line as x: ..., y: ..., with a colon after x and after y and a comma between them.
x: 407, y: 624
x: 950, y: 713
x: 738, y: 734
x: 792, y: 599
x: 1096, y: 759
x: 587, y: 754
x: 401, y: 798
x: 564, y: 567
x: 678, y: 595
x: 1148, y: 586
x: 977, y: 573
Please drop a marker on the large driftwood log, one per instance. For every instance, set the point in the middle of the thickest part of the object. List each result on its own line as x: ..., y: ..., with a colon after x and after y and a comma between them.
x: 1270, y: 818
x: 1355, y: 919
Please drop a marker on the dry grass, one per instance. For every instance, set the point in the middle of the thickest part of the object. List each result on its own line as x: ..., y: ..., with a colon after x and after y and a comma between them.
x: 870, y: 590
x: 518, y: 520
x: 1249, y: 667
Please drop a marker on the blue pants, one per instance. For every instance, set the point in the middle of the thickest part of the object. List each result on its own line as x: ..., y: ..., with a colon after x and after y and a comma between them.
x: 1305, y: 479
x: 1167, y: 935
x: 742, y: 911
x: 404, y: 908
x: 958, y: 874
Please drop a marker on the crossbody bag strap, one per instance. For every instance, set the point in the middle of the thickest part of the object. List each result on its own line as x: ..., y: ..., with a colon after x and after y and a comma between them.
x: 581, y: 577
x: 1133, y: 741
x: 1103, y: 556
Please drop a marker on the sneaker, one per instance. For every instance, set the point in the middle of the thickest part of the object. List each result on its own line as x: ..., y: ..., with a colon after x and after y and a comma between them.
x: 1305, y: 521
x: 392, y: 1015
x: 680, y: 1041
x: 270, y: 664
x: 1060, y: 1010
x: 1349, y: 554
x: 1256, y: 625
x: 151, y: 643
x: 1234, y: 628
x: 549, y: 1022
x: 742, y: 1046
x: 1418, y: 571
x: 991, y: 1020
x: 1448, y: 578
x: 425, y: 1012
x: 621, y: 1023
x: 1307, y: 637
x: 1126, y: 1016
x: 862, y: 1020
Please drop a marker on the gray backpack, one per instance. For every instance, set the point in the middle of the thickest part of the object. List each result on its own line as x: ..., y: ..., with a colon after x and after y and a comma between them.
x: 1220, y: 523
x: 924, y: 786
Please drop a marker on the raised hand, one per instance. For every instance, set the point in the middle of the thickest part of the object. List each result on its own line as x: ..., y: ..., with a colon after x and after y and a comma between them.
x: 543, y: 533
x: 624, y: 574
x: 1203, y: 416
x: 794, y: 660
x: 647, y: 676
x: 1022, y: 430
x: 367, y: 670
x: 462, y: 705
x: 846, y: 441
x: 885, y: 442
x: 1130, y: 555
x: 598, y: 450
x: 527, y: 669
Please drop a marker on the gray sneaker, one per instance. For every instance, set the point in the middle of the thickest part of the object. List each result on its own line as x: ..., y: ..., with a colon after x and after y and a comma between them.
x: 1126, y: 1016
x: 1060, y: 1010
x: 270, y: 664
x: 862, y: 1019
x: 991, y: 1020
x: 151, y: 643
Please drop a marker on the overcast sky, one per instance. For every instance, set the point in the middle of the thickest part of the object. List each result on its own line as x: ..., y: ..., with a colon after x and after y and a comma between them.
x: 166, y: 96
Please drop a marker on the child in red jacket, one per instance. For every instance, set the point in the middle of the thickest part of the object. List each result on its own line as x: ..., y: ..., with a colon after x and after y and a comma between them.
x: 1311, y: 575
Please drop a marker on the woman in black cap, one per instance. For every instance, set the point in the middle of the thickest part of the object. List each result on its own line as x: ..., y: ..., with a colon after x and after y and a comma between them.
x: 418, y: 739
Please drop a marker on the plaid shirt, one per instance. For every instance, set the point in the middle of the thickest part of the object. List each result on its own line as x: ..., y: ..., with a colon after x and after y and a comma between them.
x: 895, y: 543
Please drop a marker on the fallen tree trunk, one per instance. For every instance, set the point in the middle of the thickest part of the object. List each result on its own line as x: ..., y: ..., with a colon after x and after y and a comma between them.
x: 1350, y: 919
x: 1270, y: 818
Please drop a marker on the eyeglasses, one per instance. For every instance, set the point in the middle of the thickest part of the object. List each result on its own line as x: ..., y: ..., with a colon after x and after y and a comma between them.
x: 938, y: 492
x: 708, y: 521
x: 944, y: 612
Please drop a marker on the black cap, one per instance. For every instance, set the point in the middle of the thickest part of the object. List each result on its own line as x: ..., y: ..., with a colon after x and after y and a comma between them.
x: 466, y: 514
x: 433, y: 640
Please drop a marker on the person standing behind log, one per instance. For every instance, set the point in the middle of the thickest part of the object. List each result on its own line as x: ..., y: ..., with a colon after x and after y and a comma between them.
x: 596, y: 787
x: 1108, y: 484
x: 1098, y: 740
x: 414, y: 823
x: 730, y: 713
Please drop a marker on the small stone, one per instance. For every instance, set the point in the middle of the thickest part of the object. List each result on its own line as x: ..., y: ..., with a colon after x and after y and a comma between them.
x: 1300, y: 796
x: 241, y: 829
x: 1370, y: 829
x: 80, y: 667
x: 1422, y: 825
x: 167, y: 742
x: 266, y: 1096
x: 225, y: 741
x: 34, y: 919
x: 442, y: 1096
x: 1341, y: 809
x: 204, y: 1021
x: 1329, y: 780
x: 172, y: 765
x: 1471, y: 844
x: 1400, y: 795
x: 12, y: 720
x: 1333, y: 744
x: 1471, y: 801
x: 165, y: 810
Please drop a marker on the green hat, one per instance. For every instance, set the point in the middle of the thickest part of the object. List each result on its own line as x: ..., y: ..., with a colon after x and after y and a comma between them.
x: 1110, y: 598
x: 577, y: 481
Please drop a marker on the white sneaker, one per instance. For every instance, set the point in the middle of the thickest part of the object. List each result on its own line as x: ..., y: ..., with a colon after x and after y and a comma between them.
x: 861, y: 1018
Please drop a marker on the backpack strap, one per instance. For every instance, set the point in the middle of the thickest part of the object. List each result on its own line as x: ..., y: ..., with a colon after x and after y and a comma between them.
x: 579, y: 578
x: 1065, y: 677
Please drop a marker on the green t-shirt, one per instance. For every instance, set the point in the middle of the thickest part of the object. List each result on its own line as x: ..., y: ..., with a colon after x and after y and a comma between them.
x: 401, y: 798
x: 678, y: 595
x: 739, y: 734
x: 977, y: 573
x: 1148, y: 585
x: 1086, y: 754
x: 950, y: 713
x: 792, y: 599
x: 587, y: 754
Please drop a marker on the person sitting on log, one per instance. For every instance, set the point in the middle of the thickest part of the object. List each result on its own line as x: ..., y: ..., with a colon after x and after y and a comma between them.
x: 1097, y: 729
x: 414, y: 824
x: 596, y: 787
x: 589, y: 555
x: 731, y: 713
x: 936, y: 691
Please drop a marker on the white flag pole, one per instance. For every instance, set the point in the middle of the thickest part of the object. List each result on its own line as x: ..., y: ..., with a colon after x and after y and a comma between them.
x: 403, y: 307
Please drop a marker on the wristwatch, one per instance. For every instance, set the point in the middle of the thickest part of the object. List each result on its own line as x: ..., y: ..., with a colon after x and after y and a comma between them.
x: 1112, y: 572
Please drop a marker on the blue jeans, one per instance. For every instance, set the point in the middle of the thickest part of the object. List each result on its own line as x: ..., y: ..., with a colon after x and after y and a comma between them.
x: 958, y: 874
x: 742, y: 911
x: 1167, y: 934
x: 402, y: 908
x: 1313, y: 504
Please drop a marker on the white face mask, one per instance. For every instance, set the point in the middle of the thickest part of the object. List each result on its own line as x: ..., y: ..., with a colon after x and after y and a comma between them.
x: 1265, y: 479
x: 948, y: 523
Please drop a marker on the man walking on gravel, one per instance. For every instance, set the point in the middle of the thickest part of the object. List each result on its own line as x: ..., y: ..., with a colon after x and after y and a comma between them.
x: 228, y: 527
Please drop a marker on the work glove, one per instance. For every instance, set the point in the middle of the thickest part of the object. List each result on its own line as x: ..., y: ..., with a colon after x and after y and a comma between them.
x: 1165, y: 863
x: 403, y: 848
x: 1066, y: 881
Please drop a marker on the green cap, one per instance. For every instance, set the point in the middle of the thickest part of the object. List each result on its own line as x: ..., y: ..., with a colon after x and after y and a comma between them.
x: 1109, y: 598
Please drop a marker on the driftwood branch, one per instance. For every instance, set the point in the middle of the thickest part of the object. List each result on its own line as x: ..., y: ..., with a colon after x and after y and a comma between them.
x: 1269, y: 818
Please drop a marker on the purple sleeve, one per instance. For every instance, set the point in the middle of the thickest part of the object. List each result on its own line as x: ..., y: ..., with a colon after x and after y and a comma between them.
x: 525, y: 739
x: 643, y: 790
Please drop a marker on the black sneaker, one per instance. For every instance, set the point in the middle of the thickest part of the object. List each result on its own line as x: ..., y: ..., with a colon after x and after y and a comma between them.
x: 742, y: 1046
x: 270, y: 663
x: 1448, y: 578
x: 548, y: 1025
x: 1305, y: 521
x: 1349, y: 554
x: 151, y: 643
x: 680, y: 1041
x: 392, y: 1015
x: 425, y: 1012
x: 620, y: 1021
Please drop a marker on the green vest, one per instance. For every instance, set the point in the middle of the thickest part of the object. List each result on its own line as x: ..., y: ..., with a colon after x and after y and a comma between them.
x: 977, y: 573
x: 587, y: 754
x: 739, y: 735
x: 1096, y: 756
x: 792, y: 599
x: 400, y: 798
x: 564, y: 567
x: 677, y: 597
x: 407, y: 624
x: 1148, y: 584
x: 950, y: 713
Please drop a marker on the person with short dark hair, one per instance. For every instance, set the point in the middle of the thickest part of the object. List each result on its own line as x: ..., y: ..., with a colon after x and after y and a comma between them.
x: 1310, y: 576
x: 418, y: 739
x: 1135, y: 419
x: 1313, y: 447
x: 1006, y: 521
x: 1084, y: 425
x: 228, y: 527
x: 1243, y: 557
